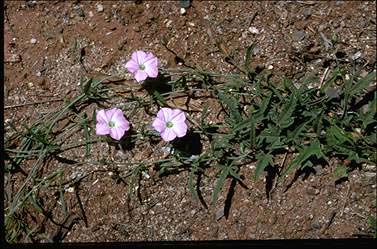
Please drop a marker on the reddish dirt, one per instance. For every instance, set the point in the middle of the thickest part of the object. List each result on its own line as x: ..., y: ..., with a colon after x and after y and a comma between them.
x: 73, y: 39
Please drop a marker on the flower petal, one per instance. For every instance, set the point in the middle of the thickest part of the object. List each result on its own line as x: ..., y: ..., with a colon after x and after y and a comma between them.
x: 139, y: 57
x: 140, y: 75
x: 159, y: 125
x: 178, y: 116
x: 111, y: 112
x: 165, y: 114
x: 119, y: 120
x: 168, y: 134
x: 131, y: 66
x: 124, y: 125
x: 102, y: 117
x: 117, y: 133
x: 151, y: 68
x: 180, y: 129
x: 102, y: 129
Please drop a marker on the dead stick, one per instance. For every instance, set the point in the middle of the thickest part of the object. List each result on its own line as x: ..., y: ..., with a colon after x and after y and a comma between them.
x: 32, y: 103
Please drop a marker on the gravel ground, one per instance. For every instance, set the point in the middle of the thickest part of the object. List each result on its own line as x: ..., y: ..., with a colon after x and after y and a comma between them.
x: 50, y: 45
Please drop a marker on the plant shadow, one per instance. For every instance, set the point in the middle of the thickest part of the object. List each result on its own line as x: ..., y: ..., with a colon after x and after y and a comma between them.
x: 159, y: 84
x: 189, y: 145
x: 126, y: 142
x: 272, y: 172
x: 307, y: 171
x: 230, y: 194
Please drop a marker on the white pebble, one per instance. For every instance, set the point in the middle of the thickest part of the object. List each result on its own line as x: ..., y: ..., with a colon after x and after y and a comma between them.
x: 91, y: 14
x: 254, y: 30
x: 182, y: 11
x: 71, y: 189
x: 169, y: 23
x: 269, y: 67
x: 99, y: 7
x: 33, y: 41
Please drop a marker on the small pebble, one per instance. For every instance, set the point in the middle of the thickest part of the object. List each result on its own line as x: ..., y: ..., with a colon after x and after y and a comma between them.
x: 15, y: 58
x: 182, y: 11
x: 99, y: 7
x: 253, y: 30
x: 169, y: 23
x: 91, y: 14
x: 356, y: 56
x: 299, y: 35
x: 269, y: 67
x: 71, y: 189
x: 33, y: 41
x: 220, y: 213
x: 316, y: 224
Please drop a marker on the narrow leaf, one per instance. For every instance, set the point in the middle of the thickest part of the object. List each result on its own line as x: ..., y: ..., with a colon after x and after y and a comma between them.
x: 263, y: 161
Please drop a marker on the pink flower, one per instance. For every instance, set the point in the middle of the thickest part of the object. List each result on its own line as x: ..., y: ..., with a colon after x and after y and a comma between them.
x: 142, y: 65
x: 170, y: 123
x: 112, y: 122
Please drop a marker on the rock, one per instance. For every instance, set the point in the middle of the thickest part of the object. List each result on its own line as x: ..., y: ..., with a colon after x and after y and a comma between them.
x: 33, y: 41
x: 312, y: 191
x: 318, y: 170
x: 316, y: 224
x: 79, y: 11
x: 307, y: 13
x: 220, y: 213
x: 184, y: 3
x: 369, y: 178
x: 356, y: 56
x: 14, y: 58
x: 182, y: 11
x: 254, y: 30
x: 99, y: 8
x: 168, y: 23
x: 299, y: 35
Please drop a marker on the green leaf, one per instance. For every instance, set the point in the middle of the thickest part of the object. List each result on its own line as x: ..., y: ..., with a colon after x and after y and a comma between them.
x: 263, y: 161
x: 269, y: 135
x: 340, y: 171
x: 220, y: 183
x: 363, y: 83
x: 288, y: 85
x: 372, y: 222
x: 337, y: 73
x: 159, y: 98
x: 285, y: 117
x: 337, y: 136
x: 191, y: 186
x: 293, y: 136
x: 232, y: 105
x: 233, y: 171
x: 248, y: 55
x: 308, y: 151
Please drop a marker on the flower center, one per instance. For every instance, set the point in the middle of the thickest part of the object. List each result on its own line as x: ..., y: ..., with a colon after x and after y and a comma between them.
x: 169, y: 124
x: 141, y: 67
x: 111, y: 124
